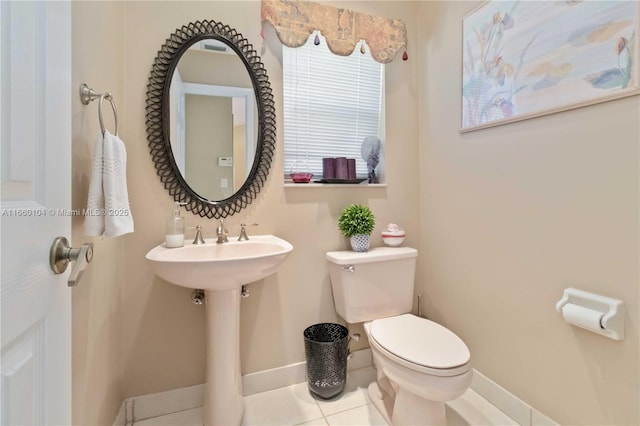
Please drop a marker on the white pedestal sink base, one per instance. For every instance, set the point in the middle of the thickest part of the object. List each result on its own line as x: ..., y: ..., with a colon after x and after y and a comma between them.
x: 220, y: 270
x: 223, y: 399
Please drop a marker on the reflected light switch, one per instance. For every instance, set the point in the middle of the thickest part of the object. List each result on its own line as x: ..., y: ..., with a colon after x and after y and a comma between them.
x: 224, y: 183
x: 225, y: 161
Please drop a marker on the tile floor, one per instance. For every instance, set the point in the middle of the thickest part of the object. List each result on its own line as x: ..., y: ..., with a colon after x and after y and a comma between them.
x: 294, y: 405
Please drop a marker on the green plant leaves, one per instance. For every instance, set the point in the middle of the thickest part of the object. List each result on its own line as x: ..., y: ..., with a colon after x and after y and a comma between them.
x: 356, y: 219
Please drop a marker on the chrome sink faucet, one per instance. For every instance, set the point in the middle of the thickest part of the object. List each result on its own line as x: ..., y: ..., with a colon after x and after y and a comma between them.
x: 222, y: 232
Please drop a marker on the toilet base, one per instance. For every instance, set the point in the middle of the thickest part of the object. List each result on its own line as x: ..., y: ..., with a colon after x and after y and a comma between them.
x: 405, y: 408
x: 383, y: 405
x: 410, y: 409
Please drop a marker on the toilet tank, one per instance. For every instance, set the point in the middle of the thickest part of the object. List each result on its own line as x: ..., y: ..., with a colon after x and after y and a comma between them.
x: 373, y: 284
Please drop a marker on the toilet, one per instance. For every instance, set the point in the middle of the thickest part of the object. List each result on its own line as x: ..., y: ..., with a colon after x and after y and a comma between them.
x: 420, y: 364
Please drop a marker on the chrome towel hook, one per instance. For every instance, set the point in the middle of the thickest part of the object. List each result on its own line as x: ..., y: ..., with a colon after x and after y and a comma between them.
x: 87, y: 94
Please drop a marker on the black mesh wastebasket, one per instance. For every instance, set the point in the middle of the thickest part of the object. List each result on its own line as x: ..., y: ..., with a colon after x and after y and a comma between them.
x: 326, y: 346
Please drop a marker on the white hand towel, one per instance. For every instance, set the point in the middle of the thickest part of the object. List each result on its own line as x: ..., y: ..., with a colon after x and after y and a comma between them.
x: 108, y: 211
x: 93, y: 219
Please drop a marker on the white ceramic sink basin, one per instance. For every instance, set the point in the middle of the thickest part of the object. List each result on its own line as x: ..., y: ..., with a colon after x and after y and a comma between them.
x: 225, y: 266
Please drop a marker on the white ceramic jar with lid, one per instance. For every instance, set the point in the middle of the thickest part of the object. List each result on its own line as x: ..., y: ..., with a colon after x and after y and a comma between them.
x: 393, y: 235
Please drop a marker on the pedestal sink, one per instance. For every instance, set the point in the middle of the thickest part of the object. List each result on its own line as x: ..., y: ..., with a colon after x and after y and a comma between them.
x: 221, y: 270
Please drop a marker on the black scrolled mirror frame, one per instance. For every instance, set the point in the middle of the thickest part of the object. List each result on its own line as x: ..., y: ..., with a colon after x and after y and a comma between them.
x: 157, y: 119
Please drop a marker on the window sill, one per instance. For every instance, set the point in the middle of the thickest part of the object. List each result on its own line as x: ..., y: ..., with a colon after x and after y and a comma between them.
x: 335, y: 185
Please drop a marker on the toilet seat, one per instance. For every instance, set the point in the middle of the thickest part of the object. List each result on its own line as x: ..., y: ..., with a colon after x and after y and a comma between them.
x: 420, y: 344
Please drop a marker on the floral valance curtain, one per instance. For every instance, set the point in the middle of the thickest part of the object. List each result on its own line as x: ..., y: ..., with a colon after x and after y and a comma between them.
x: 294, y: 21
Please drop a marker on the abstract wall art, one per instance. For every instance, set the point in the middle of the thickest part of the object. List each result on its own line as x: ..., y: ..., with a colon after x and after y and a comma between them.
x: 523, y: 59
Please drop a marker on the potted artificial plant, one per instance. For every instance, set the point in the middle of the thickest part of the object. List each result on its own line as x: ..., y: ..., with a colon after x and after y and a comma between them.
x: 356, y: 222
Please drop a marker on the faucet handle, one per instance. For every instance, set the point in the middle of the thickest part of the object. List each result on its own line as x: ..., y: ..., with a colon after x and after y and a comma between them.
x: 243, y: 232
x: 198, y: 239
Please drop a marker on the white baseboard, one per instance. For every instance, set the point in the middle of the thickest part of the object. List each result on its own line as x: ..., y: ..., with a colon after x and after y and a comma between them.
x: 262, y: 381
x: 522, y: 413
x: 485, y: 403
x: 293, y: 374
x: 120, y: 417
x: 162, y: 403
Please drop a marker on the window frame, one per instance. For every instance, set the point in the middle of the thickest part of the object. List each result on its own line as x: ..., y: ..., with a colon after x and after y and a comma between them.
x: 308, y: 82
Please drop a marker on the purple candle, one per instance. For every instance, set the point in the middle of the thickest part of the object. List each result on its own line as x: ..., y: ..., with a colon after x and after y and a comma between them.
x: 329, y: 168
x: 342, y: 171
x: 351, y: 168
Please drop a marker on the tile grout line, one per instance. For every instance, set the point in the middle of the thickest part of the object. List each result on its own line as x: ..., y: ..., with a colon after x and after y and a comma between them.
x: 170, y: 414
x: 346, y: 409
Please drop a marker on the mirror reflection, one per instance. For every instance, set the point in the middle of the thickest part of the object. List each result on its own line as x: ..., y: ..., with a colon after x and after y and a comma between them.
x: 213, y: 119
x: 220, y: 70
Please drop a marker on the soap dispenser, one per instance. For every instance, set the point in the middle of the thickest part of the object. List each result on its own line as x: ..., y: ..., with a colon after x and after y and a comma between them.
x: 175, y: 228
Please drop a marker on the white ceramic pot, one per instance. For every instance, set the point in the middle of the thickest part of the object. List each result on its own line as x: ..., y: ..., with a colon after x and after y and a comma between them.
x: 359, y: 242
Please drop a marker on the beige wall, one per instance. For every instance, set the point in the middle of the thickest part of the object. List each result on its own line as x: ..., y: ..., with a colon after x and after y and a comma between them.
x: 512, y: 215
x: 203, y: 67
x: 239, y: 151
x: 97, y: 59
x: 209, y: 135
x: 163, y: 336
x: 504, y: 218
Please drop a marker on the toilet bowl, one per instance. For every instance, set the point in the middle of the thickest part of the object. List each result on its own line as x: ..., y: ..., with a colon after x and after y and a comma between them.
x: 419, y: 364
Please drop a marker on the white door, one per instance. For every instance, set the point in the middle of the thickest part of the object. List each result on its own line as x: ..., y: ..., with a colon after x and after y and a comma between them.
x: 35, y: 75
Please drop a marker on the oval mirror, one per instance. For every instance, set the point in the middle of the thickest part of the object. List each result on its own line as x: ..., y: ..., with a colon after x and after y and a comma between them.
x: 210, y: 119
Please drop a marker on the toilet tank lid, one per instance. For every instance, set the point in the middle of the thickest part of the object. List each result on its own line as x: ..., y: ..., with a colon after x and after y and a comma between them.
x: 376, y: 254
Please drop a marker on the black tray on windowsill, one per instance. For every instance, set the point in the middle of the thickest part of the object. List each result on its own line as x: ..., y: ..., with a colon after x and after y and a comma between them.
x: 343, y: 181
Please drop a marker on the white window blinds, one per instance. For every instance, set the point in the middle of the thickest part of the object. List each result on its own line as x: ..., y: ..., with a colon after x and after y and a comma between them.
x: 331, y: 103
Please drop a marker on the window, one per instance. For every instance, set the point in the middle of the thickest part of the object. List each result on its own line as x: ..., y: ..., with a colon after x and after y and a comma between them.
x: 331, y: 104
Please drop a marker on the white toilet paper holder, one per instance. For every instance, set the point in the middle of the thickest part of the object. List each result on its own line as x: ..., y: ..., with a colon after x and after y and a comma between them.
x: 612, y: 321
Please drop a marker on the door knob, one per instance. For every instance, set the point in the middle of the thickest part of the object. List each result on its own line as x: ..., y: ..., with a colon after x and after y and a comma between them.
x: 62, y: 253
